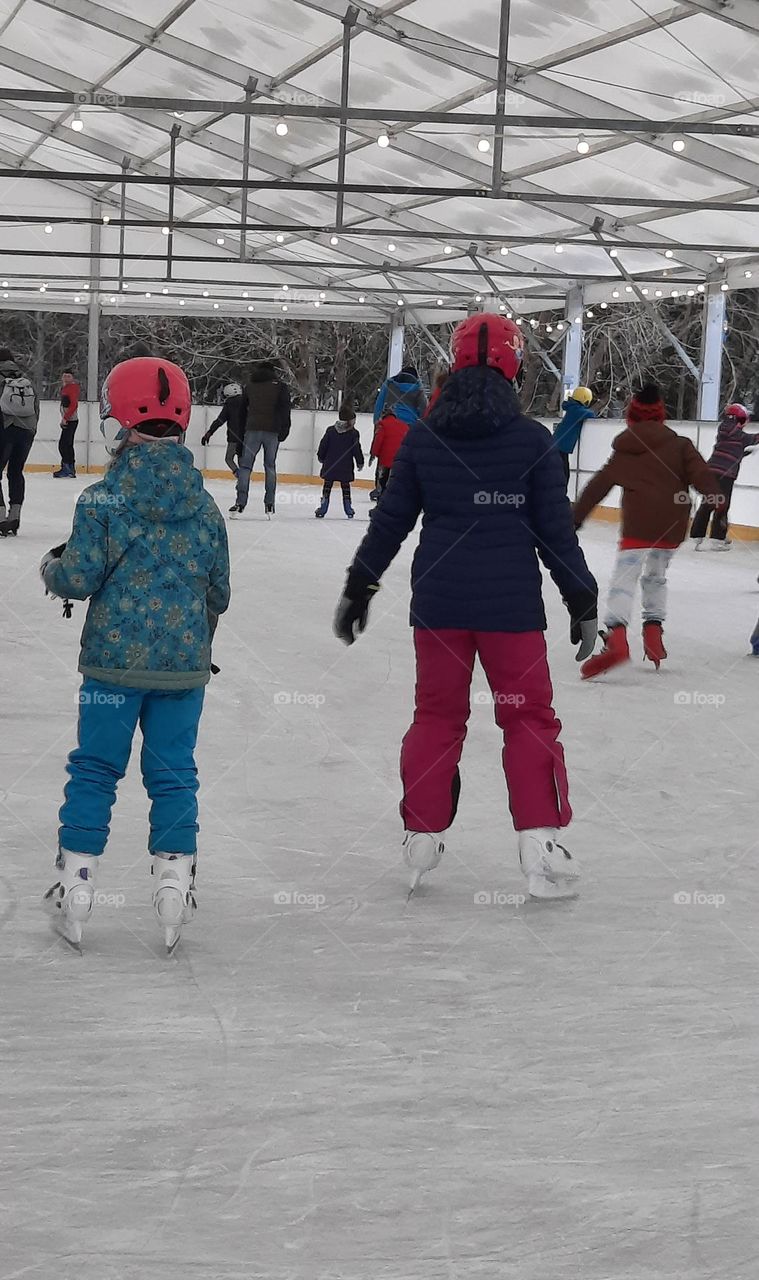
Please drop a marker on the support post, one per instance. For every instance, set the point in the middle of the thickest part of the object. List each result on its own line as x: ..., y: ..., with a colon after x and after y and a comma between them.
x: 349, y: 22
x: 396, y: 347
x: 250, y: 89
x: 93, y: 327
x: 712, y: 339
x: 122, y: 216
x: 573, y: 340
x: 176, y: 129
x: 500, y: 97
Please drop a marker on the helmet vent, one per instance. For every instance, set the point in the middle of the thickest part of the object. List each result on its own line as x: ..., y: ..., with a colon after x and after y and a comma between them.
x: 164, y: 390
x: 482, y: 344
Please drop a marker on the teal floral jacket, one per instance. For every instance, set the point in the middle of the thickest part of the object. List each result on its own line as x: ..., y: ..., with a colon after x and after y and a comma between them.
x: 149, y: 549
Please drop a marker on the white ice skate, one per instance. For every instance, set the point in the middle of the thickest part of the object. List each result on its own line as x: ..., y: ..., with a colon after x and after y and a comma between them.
x: 718, y: 544
x: 422, y: 851
x: 550, y: 868
x: 71, y: 898
x: 173, y: 893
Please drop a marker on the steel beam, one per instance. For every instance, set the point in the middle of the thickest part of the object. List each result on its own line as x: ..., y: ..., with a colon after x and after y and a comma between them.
x: 573, y: 342
x: 712, y: 340
x: 500, y: 94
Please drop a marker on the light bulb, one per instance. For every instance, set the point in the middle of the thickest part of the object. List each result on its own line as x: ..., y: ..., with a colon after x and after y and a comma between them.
x: 583, y: 146
x: 502, y: 307
x: 560, y: 326
x: 181, y: 302
x: 245, y: 294
x: 250, y: 307
x: 43, y: 287
x: 112, y: 298
x: 317, y: 302
x: 578, y: 319
x: 77, y: 298
x: 205, y: 293
x: 589, y: 314
x: 281, y: 129
x: 77, y: 124
x: 700, y: 288
x: 644, y: 291
x: 615, y: 293
x: 691, y: 293
x: 164, y: 291
x: 720, y: 258
x: 675, y: 293
x: 447, y: 249
x: 724, y: 288
x: 613, y: 253
x: 5, y: 284
x: 483, y: 145
x: 549, y: 328
x: 440, y: 302
x: 361, y: 298
x: 534, y: 324
x: 48, y: 229
x: 334, y: 240
x: 216, y: 306
x: 748, y: 274
x: 668, y: 253
x: 678, y: 144
x: 391, y: 247
x: 147, y: 295
x: 628, y: 288
x: 219, y: 239
x: 657, y: 293
x: 604, y: 306
x: 285, y: 289
x: 558, y: 248
x: 284, y: 308
x: 165, y: 231
x: 383, y: 140
x: 323, y: 296
x: 504, y: 251
x: 478, y: 297
x: 280, y: 239
x: 400, y: 302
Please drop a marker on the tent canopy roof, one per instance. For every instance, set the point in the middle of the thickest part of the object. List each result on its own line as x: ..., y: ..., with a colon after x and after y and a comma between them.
x: 424, y: 229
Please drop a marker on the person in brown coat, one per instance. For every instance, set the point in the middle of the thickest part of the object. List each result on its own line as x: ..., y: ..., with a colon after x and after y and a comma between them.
x: 654, y: 467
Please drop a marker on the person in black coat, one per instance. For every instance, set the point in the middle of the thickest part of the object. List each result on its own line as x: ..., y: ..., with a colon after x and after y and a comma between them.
x: 490, y: 487
x: 234, y: 414
x: 267, y: 426
x: 340, y: 447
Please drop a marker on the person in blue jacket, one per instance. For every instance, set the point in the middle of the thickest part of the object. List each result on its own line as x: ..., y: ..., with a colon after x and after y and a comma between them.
x: 490, y: 488
x: 149, y: 550
x: 402, y: 396
x: 566, y: 436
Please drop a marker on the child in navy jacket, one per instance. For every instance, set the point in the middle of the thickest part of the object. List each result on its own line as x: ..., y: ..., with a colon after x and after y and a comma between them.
x: 340, y: 447
x: 492, y: 493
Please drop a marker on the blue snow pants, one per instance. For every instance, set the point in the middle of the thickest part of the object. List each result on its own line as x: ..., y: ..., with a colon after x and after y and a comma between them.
x: 108, y: 717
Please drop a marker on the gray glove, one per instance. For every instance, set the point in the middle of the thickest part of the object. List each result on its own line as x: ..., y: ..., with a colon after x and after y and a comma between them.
x: 584, y: 634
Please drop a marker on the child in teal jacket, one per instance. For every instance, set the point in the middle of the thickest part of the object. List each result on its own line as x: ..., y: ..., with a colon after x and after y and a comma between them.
x: 148, y: 549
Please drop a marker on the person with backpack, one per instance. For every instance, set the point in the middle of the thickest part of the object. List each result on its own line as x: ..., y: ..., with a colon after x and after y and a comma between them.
x: 267, y: 426
x: 148, y: 549
x: 234, y: 414
x: 20, y: 410
x: 70, y: 393
x: 403, y: 397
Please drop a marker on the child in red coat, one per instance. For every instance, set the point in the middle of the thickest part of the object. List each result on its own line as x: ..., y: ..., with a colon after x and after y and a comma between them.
x: 388, y: 438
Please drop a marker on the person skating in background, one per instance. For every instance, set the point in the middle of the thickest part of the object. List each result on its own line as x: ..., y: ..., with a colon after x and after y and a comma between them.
x: 234, y: 414
x: 441, y: 377
x: 402, y: 396
x: 20, y: 413
x: 566, y: 436
x: 730, y: 448
x: 70, y: 393
x: 339, y: 449
x: 267, y: 426
x: 477, y: 592
x: 388, y: 438
x: 149, y: 550
x: 654, y: 467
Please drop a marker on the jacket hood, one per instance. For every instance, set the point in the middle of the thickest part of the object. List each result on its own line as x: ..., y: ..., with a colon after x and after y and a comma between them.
x: 473, y: 404
x: 644, y: 437
x: 263, y: 372
x: 158, y: 482
x: 405, y: 381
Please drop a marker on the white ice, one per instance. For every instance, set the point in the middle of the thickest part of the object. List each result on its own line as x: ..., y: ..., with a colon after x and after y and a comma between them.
x: 365, y: 1089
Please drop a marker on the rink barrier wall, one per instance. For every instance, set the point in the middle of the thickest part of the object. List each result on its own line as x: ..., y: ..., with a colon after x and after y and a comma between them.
x: 298, y: 464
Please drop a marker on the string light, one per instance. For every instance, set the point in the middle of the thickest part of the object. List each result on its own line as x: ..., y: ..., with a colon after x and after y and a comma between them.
x: 383, y: 140
x: 284, y: 308
x: 478, y: 297
x: 323, y: 296
x: 165, y: 231
x: 628, y: 288
x: 615, y: 293
x: 106, y: 218
x: 504, y: 251
x: 440, y: 302
x: 216, y: 306
x: 657, y: 293
x: 447, y: 249
x: 720, y: 259
x: 614, y: 253
x: 205, y: 293
x: 164, y: 291
x: 700, y: 288
x: 583, y: 146
x: 724, y: 287
x: 361, y: 298
x: 112, y: 298
x: 281, y: 129
x: 668, y: 253
x: 181, y: 302
x: 748, y: 274
x: 219, y: 240
x: 334, y: 240
x: 560, y: 326
x: 678, y: 144
x: 558, y: 248
x: 391, y: 247
x: 604, y: 306
x: 280, y: 239
x: 48, y: 229
x: 77, y: 124
x: 483, y: 144
x: 77, y: 298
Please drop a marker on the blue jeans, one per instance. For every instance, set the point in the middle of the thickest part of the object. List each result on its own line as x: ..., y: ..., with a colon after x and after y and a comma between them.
x: 253, y: 442
x: 108, y: 717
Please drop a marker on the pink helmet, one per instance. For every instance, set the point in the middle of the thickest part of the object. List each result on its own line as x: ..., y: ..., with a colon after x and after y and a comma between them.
x: 145, y: 390
x: 490, y: 340
x: 738, y: 411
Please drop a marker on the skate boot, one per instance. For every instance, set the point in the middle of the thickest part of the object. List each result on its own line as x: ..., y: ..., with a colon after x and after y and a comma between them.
x: 550, y: 868
x: 422, y: 851
x: 322, y: 509
x: 268, y: 510
x: 615, y: 651
x: 12, y: 524
x: 653, y: 643
x: 65, y: 472
x: 236, y: 510
x: 71, y: 898
x: 348, y: 509
x: 719, y: 544
x: 173, y: 893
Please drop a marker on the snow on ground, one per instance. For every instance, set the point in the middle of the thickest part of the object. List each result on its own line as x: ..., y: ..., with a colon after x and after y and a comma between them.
x: 363, y: 1089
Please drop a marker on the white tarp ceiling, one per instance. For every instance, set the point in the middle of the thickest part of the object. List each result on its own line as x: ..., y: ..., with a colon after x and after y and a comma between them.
x: 681, y: 61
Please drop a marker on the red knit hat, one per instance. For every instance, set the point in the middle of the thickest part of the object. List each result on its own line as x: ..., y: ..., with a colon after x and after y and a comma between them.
x: 646, y: 406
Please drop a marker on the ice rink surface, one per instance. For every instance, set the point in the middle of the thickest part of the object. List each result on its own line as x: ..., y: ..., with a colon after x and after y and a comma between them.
x: 325, y: 1083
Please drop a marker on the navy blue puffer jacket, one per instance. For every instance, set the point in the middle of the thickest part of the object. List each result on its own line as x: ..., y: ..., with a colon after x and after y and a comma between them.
x: 492, y: 490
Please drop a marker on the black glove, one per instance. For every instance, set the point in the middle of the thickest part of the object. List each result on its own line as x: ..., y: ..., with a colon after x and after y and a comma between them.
x: 54, y: 553
x: 583, y: 612
x: 204, y: 439
x: 352, y: 612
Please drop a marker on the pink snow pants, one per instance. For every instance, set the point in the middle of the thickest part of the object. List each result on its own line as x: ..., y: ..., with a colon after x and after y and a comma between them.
x: 516, y: 667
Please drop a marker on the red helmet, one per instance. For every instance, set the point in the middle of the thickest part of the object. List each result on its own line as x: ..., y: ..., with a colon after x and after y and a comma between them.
x: 738, y: 411
x: 490, y: 340
x: 146, y: 390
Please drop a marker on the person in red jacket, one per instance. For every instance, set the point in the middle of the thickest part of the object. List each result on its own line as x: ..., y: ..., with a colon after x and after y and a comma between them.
x: 388, y: 438
x: 70, y: 393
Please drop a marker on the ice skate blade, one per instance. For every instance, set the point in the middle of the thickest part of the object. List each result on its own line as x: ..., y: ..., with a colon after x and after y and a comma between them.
x: 543, y: 890
x: 172, y: 938
x: 415, y: 881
